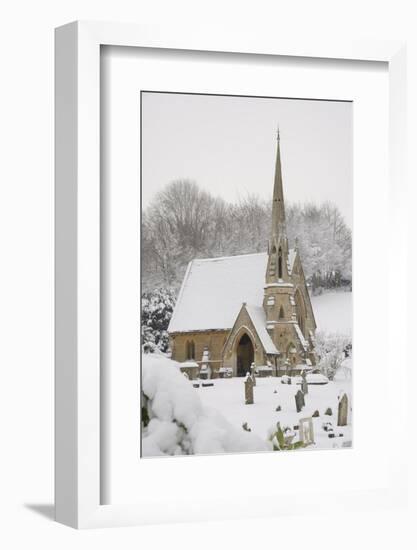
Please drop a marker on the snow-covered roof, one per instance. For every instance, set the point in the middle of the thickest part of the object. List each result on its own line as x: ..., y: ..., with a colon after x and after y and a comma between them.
x: 258, y: 317
x: 214, y: 289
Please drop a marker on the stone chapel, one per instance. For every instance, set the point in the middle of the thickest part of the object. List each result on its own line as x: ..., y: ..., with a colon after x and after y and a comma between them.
x: 236, y: 311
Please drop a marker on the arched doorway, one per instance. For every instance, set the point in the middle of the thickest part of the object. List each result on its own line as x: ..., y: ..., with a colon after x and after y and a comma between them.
x: 245, y: 355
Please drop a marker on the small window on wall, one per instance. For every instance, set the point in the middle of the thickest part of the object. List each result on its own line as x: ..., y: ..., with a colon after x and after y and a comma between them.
x: 280, y: 263
x: 281, y: 313
x: 190, y: 350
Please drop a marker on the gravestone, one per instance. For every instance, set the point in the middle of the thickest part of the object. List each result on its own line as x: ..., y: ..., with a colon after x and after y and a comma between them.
x: 342, y: 413
x: 205, y: 370
x: 304, y: 385
x: 299, y: 400
x: 327, y: 427
x: 249, y: 390
x: 252, y: 370
x: 306, y: 431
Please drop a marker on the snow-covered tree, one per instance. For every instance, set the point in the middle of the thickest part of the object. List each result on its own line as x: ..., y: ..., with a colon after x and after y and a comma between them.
x: 332, y: 350
x: 185, y: 222
x: 157, y: 308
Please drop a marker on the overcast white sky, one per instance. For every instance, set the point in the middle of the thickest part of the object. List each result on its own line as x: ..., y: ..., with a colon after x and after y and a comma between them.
x: 227, y: 145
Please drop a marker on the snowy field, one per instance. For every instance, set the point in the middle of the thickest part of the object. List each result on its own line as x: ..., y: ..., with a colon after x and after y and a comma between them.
x: 333, y: 311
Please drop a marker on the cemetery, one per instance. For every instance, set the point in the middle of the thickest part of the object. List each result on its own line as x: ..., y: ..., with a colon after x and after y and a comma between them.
x: 250, y: 414
x: 261, y: 403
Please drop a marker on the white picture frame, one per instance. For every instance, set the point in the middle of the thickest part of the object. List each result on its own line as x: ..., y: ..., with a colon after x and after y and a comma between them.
x: 77, y: 242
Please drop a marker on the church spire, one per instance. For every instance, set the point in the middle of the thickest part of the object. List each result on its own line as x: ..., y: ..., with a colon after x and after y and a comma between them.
x: 277, y: 270
x: 278, y: 210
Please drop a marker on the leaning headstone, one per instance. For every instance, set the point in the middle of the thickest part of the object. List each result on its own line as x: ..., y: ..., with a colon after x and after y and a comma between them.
x: 306, y: 431
x: 299, y: 400
x: 249, y: 390
x: 329, y: 411
x: 316, y: 414
x: 342, y: 412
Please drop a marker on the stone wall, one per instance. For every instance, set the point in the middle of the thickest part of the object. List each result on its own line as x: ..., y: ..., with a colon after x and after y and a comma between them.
x: 213, y: 340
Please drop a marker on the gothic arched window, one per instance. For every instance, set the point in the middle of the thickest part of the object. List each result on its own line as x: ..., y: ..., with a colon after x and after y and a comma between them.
x: 272, y: 261
x: 281, y: 313
x: 280, y: 263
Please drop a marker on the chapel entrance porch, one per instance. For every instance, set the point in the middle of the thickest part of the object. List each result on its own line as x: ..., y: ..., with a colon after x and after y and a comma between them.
x: 244, y: 355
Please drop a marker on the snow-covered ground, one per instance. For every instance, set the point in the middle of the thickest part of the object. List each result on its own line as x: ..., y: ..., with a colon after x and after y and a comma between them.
x: 227, y: 396
x: 333, y: 311
x: 183, y: 419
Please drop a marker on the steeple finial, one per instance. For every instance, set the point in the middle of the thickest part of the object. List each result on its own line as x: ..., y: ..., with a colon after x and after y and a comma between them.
x: 278, y: 138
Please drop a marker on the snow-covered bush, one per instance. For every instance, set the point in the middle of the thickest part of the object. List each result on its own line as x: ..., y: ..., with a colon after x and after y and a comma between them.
x: 176, y: 421
x: 157, y: 308
x: 344, y: 372
x: 332, y: 350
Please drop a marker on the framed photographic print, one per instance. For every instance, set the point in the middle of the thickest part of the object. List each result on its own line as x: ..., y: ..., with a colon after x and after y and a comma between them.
x: 222, y: 250
x: 246, y: 295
